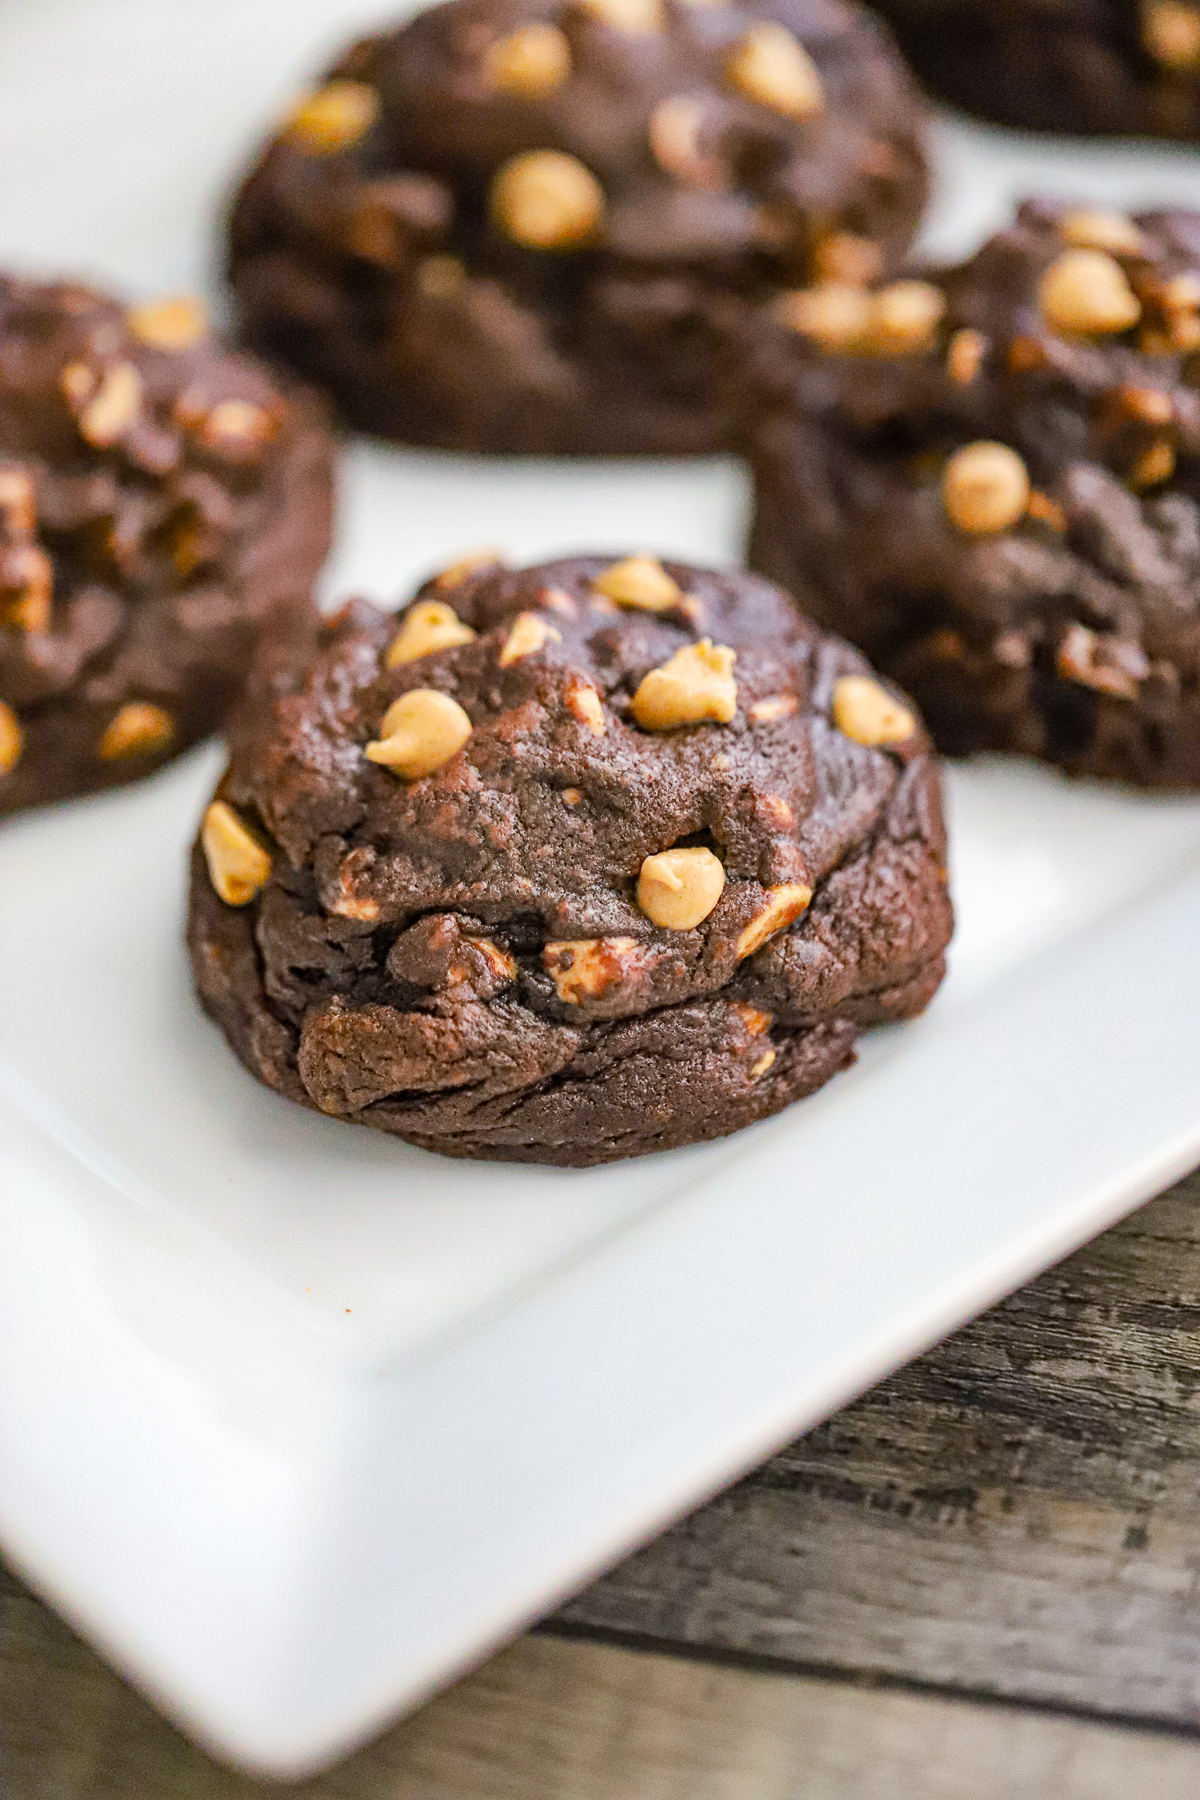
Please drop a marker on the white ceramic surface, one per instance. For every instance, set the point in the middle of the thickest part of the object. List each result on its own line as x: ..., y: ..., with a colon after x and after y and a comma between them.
x: 296, y: 1421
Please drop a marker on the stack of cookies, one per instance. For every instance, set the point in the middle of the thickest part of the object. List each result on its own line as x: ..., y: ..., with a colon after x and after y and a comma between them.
x: 614, y: 854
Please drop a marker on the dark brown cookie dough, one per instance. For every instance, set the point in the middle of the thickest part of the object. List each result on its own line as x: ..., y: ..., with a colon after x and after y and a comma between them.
x: 163, y: 506
x: 1123, y: 67
x: 591, y: 928
x: 1007, y: 519
x: 499, y: 226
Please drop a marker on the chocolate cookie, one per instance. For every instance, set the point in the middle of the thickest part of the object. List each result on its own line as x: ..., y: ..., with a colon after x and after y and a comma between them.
x: 572, y: 864
x: 498, y: 227
x: 1005, y: 515
x: 163, y: 505
x: 1129, y: 67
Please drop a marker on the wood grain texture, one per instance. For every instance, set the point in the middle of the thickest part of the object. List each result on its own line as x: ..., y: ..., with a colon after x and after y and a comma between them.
x: 557, y: 1720
x: 1017, y: 1513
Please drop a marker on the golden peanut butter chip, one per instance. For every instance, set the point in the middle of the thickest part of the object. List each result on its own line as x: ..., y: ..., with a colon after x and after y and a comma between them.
x: 12, y: 739
x: 844, y: 319
x: 639, y: 582
x: 28, y: 593
x: 113, y: 406
x: 866, y: 712
x: 530, y: 631
x: 695, y: 685
x: 635, y: 17
x: 964, y: 356
x: 333, y: 118
x: 547, y: 200
x: 174, y: 323
x: 905, y: 317
x: 784, y: 905
x: 428, y: 626
x: 1171, y: 35
x: 985, y: 488
x: 772, y: 67
x: 235, y: 427
x: 457, y: 572
x: 1111, y: 231
x: 532, y: 60
x: 139, y: 728
x: 678, y: 888
x: 763, y: 1064
x: 420, y: 732
x: 18, y: 501
x: 1154, y: 465
x: 1084, y: 293
x: 238, y: 866
x: 582, y: 968
x: 844, y: 258
x: 586, y: 704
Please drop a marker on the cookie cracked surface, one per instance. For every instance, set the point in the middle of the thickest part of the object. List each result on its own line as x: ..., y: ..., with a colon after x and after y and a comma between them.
x: 164, y: 506
x: 574, y: 939
x: 1006, y: 517
x: 498, y: 227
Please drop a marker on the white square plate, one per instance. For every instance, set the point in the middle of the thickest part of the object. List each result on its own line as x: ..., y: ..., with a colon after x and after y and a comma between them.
x: 296, y: 1421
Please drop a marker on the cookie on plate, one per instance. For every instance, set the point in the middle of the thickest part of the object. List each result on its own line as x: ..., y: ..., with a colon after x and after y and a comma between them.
x: 498, y: 227
x: 1125, y: 67
x: 570, y: 864
x: 1007, y: 518
x: 163, y: 505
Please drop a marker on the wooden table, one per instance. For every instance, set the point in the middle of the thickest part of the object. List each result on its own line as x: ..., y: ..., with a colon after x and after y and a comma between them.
x: 979, y: 1580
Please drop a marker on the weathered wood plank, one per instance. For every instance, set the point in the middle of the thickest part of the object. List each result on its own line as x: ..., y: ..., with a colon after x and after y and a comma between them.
x: 557, y: 1720
x: 1016, y: 1513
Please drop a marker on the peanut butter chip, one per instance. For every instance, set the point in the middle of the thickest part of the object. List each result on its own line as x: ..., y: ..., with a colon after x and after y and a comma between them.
x: 778, y: 706
x: 547, y: 200
x: 333, y: 118
x: 1114, y: 232
x: 845, y: 319
x: 26, y: 599
x: 965, y: 356
x: 632, y: 16
x: 234, y: 427
x: 1155, y: 464
x: 420, y: 732
x: 1084, y: 293
x: 985, y: 488
x: 534, y: 59
x: 586, y: 704
x: 678, y: 888
x: 137, y: 729
x: 770, y: 66
x: 582, y: 968
x: 763, y: 1064
x: 784, y: 904
x: 695, y: 685
x: 866, y: 712
x: 170, y: 324
x: 640, y: 582
x: 674, y: 137
x: 12, y: 739
x: 905, y: 317
x: 113, y: 407
x: 529, y: 633
x: 852, y: 261
x: 1171, y: 34
x: 238, y: 866
x: 457, y: 572
x: 428, y: 626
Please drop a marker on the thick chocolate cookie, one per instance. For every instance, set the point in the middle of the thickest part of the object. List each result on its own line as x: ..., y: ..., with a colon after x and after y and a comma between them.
x: 1124, y: 67
x: 499, y: 226
x: 162, y: 507
x: 1006, y: 518
x: 571, y: 864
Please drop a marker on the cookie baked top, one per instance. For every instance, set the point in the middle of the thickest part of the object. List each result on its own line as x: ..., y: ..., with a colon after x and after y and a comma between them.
x: 507, y: 133
x: 637, y: 773
x: 138, y: 463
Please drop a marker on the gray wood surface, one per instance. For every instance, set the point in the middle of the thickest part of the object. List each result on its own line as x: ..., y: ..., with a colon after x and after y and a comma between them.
x: 555, y: 1720
x: 1016, y: 1513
